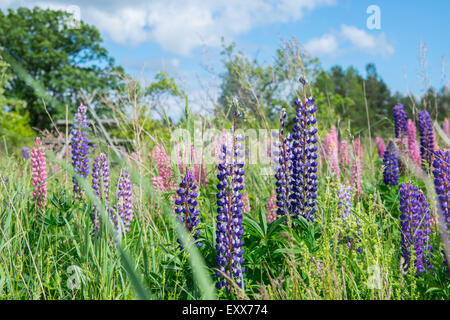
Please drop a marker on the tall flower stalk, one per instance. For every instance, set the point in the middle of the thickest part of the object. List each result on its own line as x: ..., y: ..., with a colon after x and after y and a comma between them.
x: 187, y: 206
x: 124, y: 204
x: 39, y: 174
x: 381, y: 147
x: 332, y: 151
x: 391, y: 171
x: 441, y: 173
x: 303, y: 153
x: 80, y: 147
x: 100, y: 185
x: 426, y: 139
x: 282, y: 172
x: 356, y: 170
x: 446, y: 127
x: 414, y: 151
x: 416, y: 228
x: 230, y: 230
x: 296, y: 175
x: 401, y: 128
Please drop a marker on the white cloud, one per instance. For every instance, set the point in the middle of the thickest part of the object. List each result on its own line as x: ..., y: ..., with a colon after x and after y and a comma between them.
x: 327, y: 44
x: 180, y: 26
x: 376, y: 44
x: 350, y: 38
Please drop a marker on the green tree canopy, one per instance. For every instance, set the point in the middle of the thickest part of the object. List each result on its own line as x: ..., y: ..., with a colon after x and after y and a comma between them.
x: 53, y: 60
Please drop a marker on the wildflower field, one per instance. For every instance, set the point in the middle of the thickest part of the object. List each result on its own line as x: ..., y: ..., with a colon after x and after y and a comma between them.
x: 284, y: 201
x: 325, y: 219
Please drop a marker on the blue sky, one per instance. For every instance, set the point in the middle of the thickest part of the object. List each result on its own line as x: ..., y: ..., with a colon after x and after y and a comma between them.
x: 182, y: 37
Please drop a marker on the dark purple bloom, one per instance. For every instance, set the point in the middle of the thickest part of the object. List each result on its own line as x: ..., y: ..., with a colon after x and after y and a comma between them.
x: 100, y: 185
x: 391, y: 171
x: 296, y: 174
x: 187, y: 206
x: 400, y: 124
x: 283, y: 169
x: 80, y: 146
x: 441, y: 173
x: 230, y: 230
x: 426, y: 139
x: 26, y: 153
x: 416, y: 228
x: 303, y: 154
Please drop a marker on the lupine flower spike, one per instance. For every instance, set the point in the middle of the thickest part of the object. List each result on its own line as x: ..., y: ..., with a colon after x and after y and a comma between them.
x: 271, y: 209
x: 391, y: 170
x: 381, y: 147
x: 441, y: 173
x: 124, y: 205
x: 332, y: 151
x: 100, y: 185
x: 345, y: 195
x: 282, y: 173
x: 356, y: 170
x: 446, y: 127
x: 416, y: 228
x: 401, y: 128
x: 230, y: 230
x: 344, y: 158
x: 426, y: 139
x: 163, y: 182
x: 187, y: 206
x: 80, y: 147
x: 39, y: 175
x: 303, y: 154
x: 414, y: 151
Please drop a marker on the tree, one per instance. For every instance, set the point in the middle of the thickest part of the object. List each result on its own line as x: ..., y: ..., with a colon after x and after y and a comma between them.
x: 263, y: 90
x: 14, y: 120
x: 53, y: 61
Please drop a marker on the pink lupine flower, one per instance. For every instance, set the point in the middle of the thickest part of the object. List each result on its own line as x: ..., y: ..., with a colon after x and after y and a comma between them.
x: 446, y: 127
x: 271, y: 209
x: 344, y: 158
x: 39, y: 175
x: 246, y: 202
x: 413, y: 147
x: 356, y: 170
x: 164, y: 167
x: 381, y: 147
x: 158, y: 183
x: 332, y: 152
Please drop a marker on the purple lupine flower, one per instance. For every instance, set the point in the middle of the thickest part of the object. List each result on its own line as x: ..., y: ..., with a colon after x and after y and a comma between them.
x: 401, y: 127
x: 282, y: 173
x: 26, y: 153
x: 441, y: 173
x: 80, y: 147
x: 391, y: 170
x: 303, y: 155
x: 345, y: 195
x: 426, y: 139
x: 416, y: 228
x: 124, y: 205
x: 100, y: 185
x: 230, y: 230
x: 187, y: 206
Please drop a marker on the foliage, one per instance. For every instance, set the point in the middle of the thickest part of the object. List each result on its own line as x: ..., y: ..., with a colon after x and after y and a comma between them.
x: 14, y: 118
x: 53, y: 60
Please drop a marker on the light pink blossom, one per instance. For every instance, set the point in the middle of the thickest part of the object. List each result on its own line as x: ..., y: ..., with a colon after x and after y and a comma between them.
x: 381, y: 147
x: 413, y: 147
x: 332, y: 152
x: 39, y: 174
